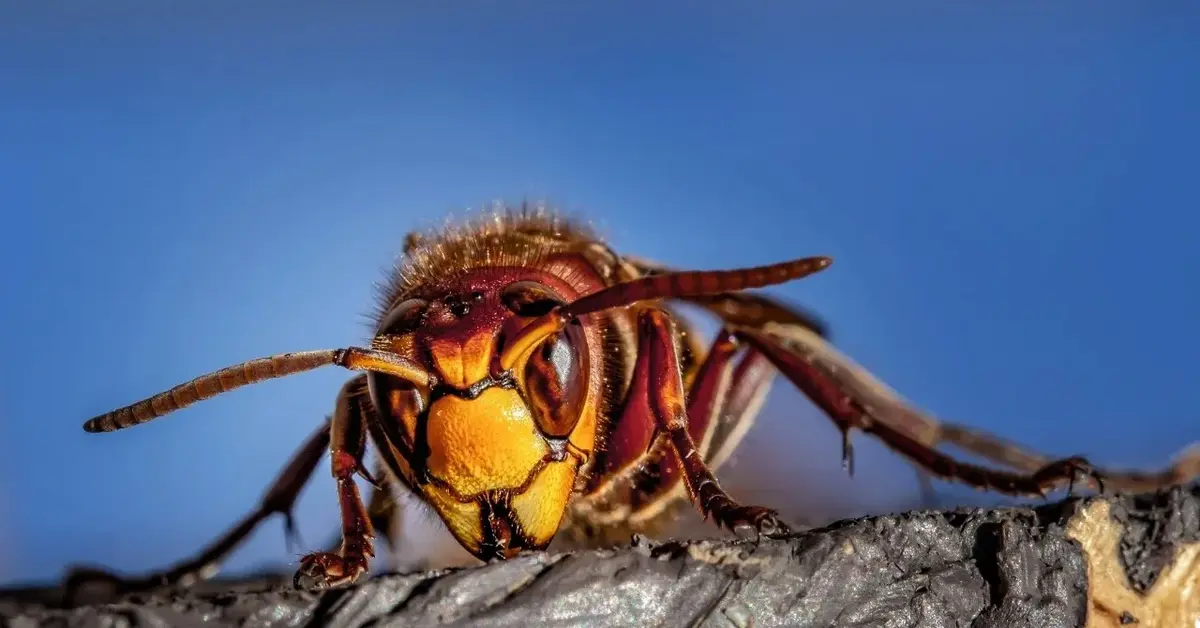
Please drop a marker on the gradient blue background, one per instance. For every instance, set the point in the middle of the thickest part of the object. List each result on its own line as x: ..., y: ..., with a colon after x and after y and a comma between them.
x: 1010, y: 195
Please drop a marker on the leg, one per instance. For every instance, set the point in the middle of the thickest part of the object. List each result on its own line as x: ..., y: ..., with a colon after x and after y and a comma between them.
x: 661, y: 375
x: 381, y: 511
x: 381, y: 508
x: 643, y: 487
x: 802, y: 332
x: 722, y: 403
x: 852, y: 405
x: 279, y: 499
x: 853, y: 398
x: 1183, y: 469
x: 348, y: 439
x: 748, y: 388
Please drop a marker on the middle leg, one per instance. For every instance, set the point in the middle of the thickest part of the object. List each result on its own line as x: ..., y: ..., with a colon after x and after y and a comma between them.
x: 643, y: 488
x: 670, y: 408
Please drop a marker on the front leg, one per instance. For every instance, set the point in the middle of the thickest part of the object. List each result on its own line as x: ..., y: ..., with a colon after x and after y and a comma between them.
x: 658, y: 363
x: 348, y: 441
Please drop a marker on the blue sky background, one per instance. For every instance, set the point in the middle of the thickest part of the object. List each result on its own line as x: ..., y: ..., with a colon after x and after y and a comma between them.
x: 1009, y: 194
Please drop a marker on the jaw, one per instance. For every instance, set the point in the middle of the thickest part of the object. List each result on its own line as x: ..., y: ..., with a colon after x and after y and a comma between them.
x: 503, y: 536
x: 504, y: 522
x: 496, y: 482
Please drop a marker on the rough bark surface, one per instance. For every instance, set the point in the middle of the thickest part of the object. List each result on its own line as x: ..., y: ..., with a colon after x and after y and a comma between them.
x: 996, y: 568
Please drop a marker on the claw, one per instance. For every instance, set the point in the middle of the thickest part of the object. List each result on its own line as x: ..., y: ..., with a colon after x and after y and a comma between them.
x: 1071, y: 468
x: 750, y: 522
x: 325, y: 570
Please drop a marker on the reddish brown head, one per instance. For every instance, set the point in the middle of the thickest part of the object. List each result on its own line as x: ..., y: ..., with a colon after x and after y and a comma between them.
x: 494, y: 449
x: 504, y: 316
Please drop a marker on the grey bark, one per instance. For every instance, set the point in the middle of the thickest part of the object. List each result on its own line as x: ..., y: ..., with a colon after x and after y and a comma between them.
x: 997, y: 568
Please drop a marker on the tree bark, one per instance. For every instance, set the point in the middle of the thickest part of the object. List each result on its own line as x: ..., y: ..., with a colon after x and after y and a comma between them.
x: 1103, y: 561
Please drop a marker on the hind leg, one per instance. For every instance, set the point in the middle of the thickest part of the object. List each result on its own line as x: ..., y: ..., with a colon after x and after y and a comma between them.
x: 280, y: 499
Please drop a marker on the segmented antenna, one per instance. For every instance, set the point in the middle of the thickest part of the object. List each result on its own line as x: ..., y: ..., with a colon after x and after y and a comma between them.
x: 692, y: 283
x: 253, y: 372
x: 669, y: 285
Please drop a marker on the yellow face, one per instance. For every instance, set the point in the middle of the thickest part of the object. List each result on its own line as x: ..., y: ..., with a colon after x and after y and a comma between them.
x: 493, y: 478
x: 496, y: 454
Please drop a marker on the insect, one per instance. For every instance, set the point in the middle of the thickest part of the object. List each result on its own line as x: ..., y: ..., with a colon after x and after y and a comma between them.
x: 525, y: 381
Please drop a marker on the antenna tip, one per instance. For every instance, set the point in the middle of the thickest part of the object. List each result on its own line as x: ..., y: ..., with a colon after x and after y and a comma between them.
x: 810, y: 265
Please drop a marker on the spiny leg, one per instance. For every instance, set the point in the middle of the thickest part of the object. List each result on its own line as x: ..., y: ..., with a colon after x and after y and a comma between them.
x: 656, y: 349
x: 644, y: 486
x: 280, y: 499
x: 826, y: 386
x: 887, y: 407
x: 633, y: 444
x: 751, y: 380
x: 1183, y: 469
x: 348, y: 440
x: 382, y: 510
x: 722, y: 403
x: 722, y: 406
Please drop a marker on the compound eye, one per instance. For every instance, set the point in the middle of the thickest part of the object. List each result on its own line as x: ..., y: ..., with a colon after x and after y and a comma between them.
x: 556, y: 382
x: 405, y: 318
x: 530, y: 298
